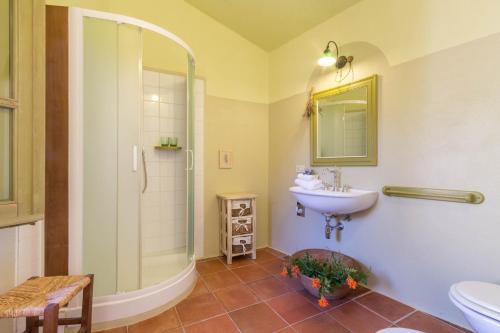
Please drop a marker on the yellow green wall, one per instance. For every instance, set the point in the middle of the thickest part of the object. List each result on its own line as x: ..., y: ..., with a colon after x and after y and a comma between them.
x: 403, y: 30
x: 243, y: 128
x: 234, y: 67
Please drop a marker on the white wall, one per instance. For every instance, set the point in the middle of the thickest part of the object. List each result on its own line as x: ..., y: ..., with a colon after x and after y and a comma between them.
x: 21, y: 257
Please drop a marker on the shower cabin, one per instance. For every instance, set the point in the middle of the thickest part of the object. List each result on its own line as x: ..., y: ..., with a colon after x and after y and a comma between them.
x: 131, y: 200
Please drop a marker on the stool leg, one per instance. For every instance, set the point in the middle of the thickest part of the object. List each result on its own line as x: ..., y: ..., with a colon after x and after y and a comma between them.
x: 87, y: 305
x: 30, y: 325
x: 50, y: 318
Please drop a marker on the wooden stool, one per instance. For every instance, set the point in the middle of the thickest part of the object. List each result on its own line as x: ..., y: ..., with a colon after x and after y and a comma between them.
x: 44, y: 296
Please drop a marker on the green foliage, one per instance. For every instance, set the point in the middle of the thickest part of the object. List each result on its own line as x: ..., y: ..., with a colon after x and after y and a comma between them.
x: 331, y: 273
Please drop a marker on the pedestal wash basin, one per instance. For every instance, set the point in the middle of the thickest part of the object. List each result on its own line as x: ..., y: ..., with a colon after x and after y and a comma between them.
x: 331, y: 203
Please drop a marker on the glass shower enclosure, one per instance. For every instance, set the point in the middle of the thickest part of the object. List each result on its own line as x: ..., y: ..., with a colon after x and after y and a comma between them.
x: 124, y: 196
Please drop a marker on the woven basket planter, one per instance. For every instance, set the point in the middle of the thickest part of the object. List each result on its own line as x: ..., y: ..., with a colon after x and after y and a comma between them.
x: 321, y: 254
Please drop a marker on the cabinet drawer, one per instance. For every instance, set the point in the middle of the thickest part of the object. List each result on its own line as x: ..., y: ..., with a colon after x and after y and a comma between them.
x: 241, y: 226
x: 241, y: 208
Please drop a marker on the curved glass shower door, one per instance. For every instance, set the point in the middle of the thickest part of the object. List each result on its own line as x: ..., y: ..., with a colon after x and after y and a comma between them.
x: 137, y: 195
x: 190, y: 146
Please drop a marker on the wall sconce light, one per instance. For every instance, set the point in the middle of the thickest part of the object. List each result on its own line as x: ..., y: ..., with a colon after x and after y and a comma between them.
x: 328, y: 58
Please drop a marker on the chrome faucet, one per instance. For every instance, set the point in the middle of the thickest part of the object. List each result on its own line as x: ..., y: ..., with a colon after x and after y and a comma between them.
x: 337, y: 180
x: 332, y: 180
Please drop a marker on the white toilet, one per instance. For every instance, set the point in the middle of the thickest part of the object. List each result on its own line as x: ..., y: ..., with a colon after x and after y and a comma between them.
x: 398, y: 330
x: 480, y: 304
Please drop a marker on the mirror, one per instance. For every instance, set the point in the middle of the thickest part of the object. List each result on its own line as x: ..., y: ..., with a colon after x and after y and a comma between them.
x: 344, y: 125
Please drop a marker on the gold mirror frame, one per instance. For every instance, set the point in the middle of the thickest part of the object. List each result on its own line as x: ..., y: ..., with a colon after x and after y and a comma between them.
x: 371, y: 136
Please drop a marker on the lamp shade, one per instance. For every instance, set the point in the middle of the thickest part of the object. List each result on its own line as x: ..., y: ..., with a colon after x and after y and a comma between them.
x: 327, y: 59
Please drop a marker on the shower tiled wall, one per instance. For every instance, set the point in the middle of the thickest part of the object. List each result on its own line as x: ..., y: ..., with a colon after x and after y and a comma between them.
x: 164, y: 201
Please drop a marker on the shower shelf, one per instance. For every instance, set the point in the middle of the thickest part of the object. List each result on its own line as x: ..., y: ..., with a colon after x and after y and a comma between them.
x: 167, y: 148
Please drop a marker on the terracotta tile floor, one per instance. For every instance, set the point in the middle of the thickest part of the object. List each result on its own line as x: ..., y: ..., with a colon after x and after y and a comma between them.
x: 251, y: 296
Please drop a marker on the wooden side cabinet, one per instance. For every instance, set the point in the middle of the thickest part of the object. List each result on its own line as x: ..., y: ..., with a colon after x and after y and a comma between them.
x: 238, y: 224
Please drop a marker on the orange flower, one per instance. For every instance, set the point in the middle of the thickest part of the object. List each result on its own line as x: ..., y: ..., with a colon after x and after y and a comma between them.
x: 295, y: 271
x: 323, y: 302
x: 284, y: 271
x: 315, y: 283
x: 351, y: 283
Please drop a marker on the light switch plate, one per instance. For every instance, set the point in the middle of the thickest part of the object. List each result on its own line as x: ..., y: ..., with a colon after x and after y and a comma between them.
x: 225, y: 159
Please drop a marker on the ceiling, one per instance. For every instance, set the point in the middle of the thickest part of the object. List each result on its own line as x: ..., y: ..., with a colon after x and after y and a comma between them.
x: 271, y: 23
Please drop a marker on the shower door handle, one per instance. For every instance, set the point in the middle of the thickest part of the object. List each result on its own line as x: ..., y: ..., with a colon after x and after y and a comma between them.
x: 144, y: 167
x: 190, y: 159
x: 134, y: 158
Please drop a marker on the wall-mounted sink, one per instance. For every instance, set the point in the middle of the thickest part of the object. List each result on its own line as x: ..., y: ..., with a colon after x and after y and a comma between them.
x: 335, y: 203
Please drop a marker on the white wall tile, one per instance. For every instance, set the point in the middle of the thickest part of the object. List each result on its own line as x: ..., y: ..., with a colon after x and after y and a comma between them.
x: 150, y: 230
x: 167, y: 215
x: 151, y: 139
x: 180, y: 200
x: 166, y: 95
x: 180, y: 225
x: 150, y: 78
x: 180, y: 96
x: 167, y: 125
x: 151, y: 199
x: 152, y: 155
x: 179, y: 111
x: 180, y: 170
x: 167, y: 197
x: 147, y: 246
x: 151, y: 124
x: 179, y: 126
x: 180, y: 240
x: 179, y: 82
x: 166, y: 81
x: 151, y: 108
x: 167, y: 110
x: 180, y: 184
x: 169, y: 242
x: 168, y: 156
x: 167, y: 169
x: 167, y: 184
x: 151, y: 215
x: 167, y: 228
x: 151, y: 93
x: 153, y: 169
x: 181, y: 141
x: 181, y: 157
x: 153, y: 184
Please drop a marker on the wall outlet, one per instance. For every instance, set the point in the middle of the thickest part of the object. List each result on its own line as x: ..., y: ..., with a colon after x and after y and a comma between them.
x: 301, y: 210
x: 300, y: 168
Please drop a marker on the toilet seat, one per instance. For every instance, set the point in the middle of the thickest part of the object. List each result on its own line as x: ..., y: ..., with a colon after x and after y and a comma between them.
x: 481, y: 297
x: 398, y: 330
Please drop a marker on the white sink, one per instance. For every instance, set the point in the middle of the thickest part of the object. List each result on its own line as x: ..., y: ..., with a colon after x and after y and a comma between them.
x: 335, y: 203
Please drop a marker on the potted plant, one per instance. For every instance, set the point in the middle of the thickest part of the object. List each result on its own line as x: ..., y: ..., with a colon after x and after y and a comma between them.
x: 325, y: 274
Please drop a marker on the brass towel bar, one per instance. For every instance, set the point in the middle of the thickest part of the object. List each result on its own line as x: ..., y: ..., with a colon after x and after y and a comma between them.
x: 470, y: 197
